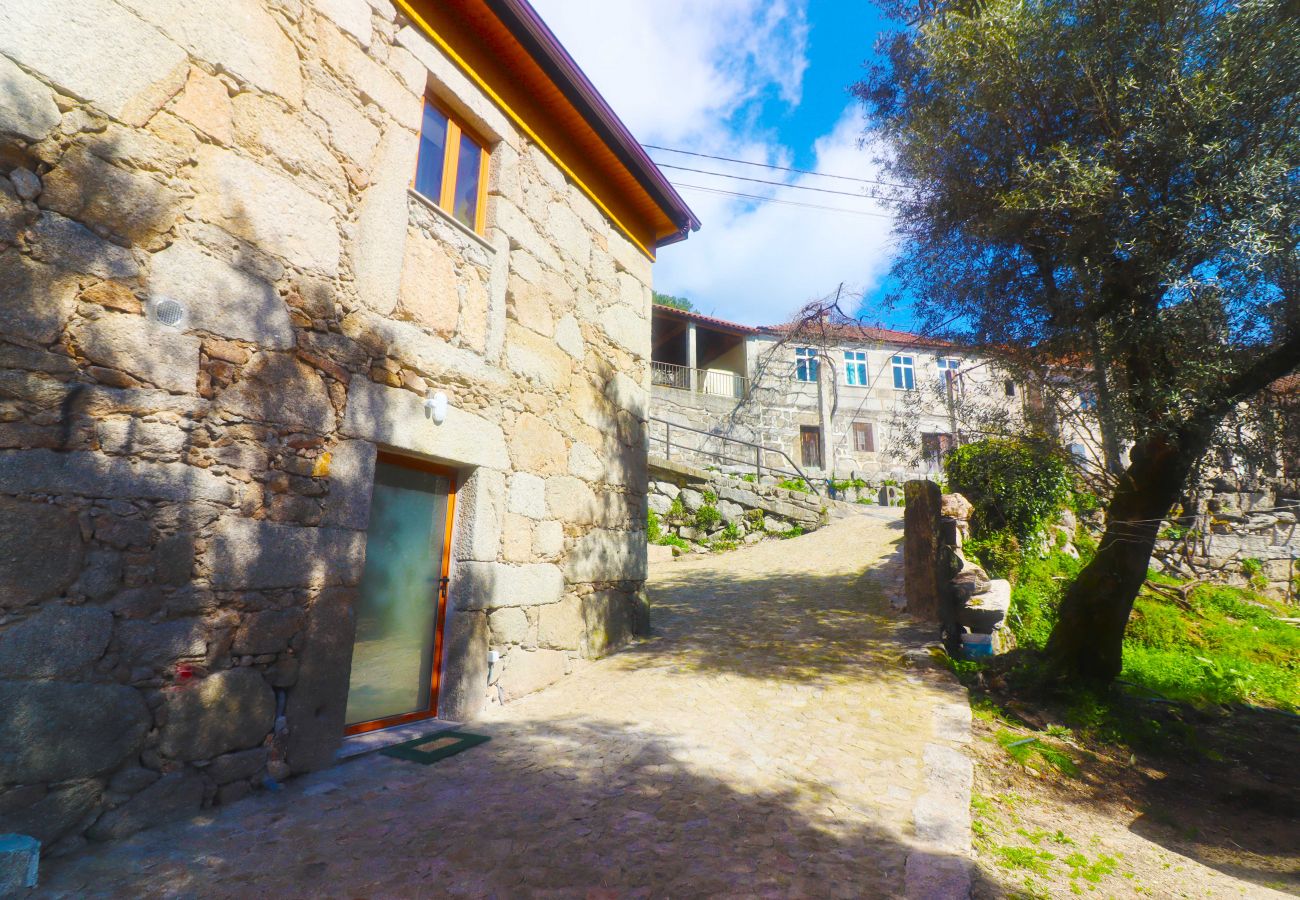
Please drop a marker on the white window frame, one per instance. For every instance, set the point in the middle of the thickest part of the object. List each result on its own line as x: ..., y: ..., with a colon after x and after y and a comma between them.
x: 806, y: 364
x: 904, y: 372
x: 855, y: 368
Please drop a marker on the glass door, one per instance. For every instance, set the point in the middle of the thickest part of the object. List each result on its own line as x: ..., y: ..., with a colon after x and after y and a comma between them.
x: 403, y: 595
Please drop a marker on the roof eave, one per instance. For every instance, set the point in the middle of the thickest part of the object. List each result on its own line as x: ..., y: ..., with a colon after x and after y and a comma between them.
x: 529, y: 29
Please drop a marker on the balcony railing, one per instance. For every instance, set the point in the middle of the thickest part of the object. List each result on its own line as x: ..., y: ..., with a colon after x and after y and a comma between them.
x: 717, y: 382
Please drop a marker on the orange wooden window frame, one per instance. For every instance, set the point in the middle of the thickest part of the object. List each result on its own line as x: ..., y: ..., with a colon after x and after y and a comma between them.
x: 446, y: 199
x: 441, y: 599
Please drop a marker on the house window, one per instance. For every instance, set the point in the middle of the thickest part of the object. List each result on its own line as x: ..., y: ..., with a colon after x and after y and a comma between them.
x: 1078, y: 451
x: 948, y: 373
x: 451, y: 169
x: 855, y: 367
x: 1087, y: 400
x: 864, y: 441
x: 904, y: 373
x: 810, y: 446
x: 1009, y: 387
x: 805, y: 366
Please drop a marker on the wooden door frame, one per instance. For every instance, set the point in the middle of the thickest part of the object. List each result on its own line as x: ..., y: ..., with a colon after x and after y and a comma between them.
x: 440, y: 616
x: 816, y: 432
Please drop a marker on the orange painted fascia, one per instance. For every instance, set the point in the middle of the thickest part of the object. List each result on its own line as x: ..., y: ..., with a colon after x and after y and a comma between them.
x: 642, y: 238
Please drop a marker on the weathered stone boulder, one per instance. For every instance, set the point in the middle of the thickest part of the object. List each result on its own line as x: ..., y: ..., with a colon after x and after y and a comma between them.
x: 57, y: 642
x: 987, y: 610
x: 160, y: 644
x: 51, y: 731
x: 527, y: 671
x: 969, y: 580
x: 230, y: 710
x: 691, y: 499
x: 40, y: 551
x: 54, y: 814
x: 171, y: 797
x: 267, y: 632
x: 240, y: 764
x: 957, y: 506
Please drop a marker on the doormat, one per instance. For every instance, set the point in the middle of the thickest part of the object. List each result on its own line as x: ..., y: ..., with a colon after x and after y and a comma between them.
x: 428, y: 750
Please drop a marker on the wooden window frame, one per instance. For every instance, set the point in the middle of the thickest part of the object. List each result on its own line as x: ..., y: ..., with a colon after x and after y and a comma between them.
x: 446, y: 199
x: 443, y: 590
x: 866, y: 430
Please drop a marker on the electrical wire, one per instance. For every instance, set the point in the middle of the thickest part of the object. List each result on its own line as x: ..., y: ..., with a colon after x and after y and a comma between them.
x: 781, y: 184
x: 712, y: 190
x: 746, y: 162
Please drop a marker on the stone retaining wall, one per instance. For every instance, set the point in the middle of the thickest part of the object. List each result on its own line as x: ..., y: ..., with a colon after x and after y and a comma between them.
x: 183, y: 506
x: 1242, y: 537
x: 746, y: 512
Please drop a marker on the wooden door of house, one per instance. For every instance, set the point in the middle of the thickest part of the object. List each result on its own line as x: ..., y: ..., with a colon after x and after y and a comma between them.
x: 810, y: 446
x: 402, y: 600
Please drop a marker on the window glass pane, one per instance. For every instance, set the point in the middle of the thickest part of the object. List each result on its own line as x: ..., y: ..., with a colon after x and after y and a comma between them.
x: 465, y: 200
x: 433, y: 144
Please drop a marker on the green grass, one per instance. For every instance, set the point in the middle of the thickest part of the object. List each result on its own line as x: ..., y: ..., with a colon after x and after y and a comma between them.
x: 1229, y: 648
x: 1028, y: 751
x: 794, y: 484
x: 1027, y: 858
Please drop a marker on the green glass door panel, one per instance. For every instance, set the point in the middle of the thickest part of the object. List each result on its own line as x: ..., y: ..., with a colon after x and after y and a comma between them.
x: 397, y: 611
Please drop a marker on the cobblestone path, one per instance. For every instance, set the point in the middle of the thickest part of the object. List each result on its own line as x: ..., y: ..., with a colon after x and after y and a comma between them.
x: 769, y: 740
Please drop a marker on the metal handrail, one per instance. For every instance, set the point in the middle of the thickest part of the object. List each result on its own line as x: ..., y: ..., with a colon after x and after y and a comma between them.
x: 758, y: 449
x: 714, y: 382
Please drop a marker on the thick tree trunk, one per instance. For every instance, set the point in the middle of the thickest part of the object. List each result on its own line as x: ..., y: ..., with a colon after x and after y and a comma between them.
x: 1088, y: 637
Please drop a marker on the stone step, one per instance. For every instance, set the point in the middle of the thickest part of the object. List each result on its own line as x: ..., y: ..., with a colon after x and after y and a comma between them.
x: 986, y: 612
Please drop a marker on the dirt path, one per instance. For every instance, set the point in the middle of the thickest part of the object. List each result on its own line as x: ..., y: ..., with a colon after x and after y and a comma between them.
x: 770, y: 739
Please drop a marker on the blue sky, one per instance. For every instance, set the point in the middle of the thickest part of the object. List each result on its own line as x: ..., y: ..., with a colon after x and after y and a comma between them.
x: 763, y: 81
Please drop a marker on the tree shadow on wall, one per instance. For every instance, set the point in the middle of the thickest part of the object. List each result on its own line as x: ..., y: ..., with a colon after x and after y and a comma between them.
x: 119, y: 454
x: 561, y: 809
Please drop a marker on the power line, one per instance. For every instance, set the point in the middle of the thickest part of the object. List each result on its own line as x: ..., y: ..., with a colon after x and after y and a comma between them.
x: 746, y: 162
x: 711, y: 190
x: 781, y: 184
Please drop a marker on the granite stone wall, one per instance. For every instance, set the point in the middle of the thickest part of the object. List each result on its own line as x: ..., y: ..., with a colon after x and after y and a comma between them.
x: 218, y: 299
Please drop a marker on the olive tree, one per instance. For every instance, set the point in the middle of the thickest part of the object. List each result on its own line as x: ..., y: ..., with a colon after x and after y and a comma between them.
x: 1112, y: 184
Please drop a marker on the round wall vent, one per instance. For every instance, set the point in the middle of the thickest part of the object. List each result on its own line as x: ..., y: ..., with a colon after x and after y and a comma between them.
x: 168, y: 311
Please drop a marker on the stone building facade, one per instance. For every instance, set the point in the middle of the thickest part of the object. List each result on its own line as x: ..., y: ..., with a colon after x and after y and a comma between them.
x: 228, y: 306
x: 836, y: 401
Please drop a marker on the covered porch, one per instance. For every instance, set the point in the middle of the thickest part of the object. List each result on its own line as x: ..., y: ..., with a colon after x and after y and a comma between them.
x: 697, y: 353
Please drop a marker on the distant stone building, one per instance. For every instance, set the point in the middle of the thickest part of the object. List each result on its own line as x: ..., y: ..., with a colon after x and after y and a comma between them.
x: 836, y: 401
x: 324, y: 360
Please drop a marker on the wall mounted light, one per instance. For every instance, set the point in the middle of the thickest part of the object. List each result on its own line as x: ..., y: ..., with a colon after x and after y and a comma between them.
x: 435, y: 407
x: 168, y: 311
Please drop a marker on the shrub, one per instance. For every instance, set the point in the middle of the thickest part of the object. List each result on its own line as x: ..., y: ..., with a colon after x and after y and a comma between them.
x: 1013, y: 484
x: 731, y: 532
x: 655, y: 534
x: 794, y: 484
x: 1253, y: 569
x: 707, y: 516
x: 653, y: 529
x: 710, y: 498
x: 998, y: 553
x: 678, y: 509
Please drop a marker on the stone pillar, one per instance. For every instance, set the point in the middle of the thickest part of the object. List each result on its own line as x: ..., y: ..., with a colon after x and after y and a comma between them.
x: 692, y: 357
x: 921, y: 548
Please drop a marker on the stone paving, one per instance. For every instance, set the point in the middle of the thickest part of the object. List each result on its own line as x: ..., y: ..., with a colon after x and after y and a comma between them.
x: 774, y: 738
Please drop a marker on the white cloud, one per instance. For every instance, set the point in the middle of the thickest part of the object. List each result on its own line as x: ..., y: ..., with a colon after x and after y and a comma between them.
x: 692, y: 75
